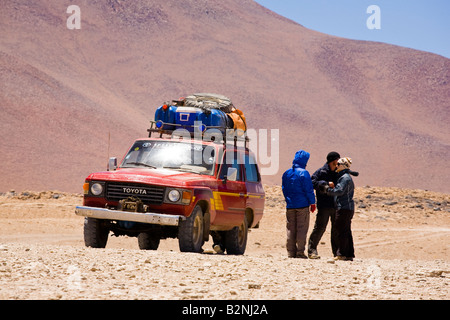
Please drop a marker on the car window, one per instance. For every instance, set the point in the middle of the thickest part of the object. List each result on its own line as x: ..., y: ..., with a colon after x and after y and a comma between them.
x: 251, y: 170
x: 187, y: 157
x: 230, y: 159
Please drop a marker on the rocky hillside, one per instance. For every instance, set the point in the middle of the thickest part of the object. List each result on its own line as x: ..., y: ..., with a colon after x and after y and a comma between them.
x: 71, y: 98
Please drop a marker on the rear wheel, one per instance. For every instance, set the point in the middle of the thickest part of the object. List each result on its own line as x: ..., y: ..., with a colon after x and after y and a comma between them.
x: 190, y: 232
x: 148, y: 240
x: 96, y: 232
x: 236, y: 239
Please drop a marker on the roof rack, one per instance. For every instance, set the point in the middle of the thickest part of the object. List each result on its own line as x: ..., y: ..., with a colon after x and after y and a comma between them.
x: 201, y: 132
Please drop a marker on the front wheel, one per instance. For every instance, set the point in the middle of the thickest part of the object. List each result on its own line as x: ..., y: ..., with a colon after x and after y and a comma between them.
x: 190, y: 232
x: 96, y: 232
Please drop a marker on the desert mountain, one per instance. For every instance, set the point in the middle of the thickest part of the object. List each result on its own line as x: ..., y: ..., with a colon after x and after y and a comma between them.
x: 64, y: 92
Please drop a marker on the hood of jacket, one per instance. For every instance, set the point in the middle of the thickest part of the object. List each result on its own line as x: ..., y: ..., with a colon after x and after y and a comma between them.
x: 341, y: 173
x: 301, y: 159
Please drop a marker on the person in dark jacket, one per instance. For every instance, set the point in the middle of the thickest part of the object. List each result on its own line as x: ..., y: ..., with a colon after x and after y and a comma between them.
x: 298, y: 192
x: 325, y: 176
x: 343, y: 195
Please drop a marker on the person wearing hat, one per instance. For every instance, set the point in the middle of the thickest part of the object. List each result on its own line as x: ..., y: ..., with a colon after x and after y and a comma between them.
x: 324, y: 177
x: 298, y: 192
x: 343, y: 195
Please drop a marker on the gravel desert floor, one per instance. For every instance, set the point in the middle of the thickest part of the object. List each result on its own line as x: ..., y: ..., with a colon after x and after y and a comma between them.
x: 401, y: 240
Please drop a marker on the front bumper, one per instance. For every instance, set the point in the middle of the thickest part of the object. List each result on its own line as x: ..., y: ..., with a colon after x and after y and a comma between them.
x: 148, y: 217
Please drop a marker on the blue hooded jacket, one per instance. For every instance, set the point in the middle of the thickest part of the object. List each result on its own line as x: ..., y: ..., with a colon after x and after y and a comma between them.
x: 296, y: 183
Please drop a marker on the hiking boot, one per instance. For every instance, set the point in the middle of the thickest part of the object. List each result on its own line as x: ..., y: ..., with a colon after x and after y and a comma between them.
x: 313, y: 256
x: 301, y: 256
x: 218, y: 249
x: 343, y: 258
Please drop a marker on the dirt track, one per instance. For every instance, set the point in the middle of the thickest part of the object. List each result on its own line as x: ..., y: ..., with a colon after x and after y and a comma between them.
x: 401, y: 241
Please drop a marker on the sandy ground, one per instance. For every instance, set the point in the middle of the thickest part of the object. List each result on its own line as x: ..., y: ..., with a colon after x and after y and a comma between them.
x: 401, y: 239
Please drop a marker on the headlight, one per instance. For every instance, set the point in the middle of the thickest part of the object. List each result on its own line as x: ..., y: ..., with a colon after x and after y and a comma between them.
x: 96, y: 189
x: 174, y: 195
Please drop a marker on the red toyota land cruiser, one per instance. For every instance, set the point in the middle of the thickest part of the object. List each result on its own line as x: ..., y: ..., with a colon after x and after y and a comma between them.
x: 175, y: 188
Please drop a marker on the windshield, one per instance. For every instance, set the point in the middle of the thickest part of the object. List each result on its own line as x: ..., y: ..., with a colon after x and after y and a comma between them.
x: 181, y: 156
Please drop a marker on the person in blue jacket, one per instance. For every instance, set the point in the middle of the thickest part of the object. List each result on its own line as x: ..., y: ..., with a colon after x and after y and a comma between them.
x: 298, y: 192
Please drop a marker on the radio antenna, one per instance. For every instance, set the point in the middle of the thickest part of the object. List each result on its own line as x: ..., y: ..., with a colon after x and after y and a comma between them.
x: 109, y: 141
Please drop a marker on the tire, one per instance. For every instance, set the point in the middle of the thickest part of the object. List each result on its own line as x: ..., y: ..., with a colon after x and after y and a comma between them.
x: 96, y: 233
x: 148, y: 240
x: 190, y: 232
x: 236, y: 239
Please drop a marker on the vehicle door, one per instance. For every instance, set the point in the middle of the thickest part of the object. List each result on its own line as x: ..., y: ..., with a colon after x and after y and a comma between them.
x: 230, y: 197
x: 255, y: 192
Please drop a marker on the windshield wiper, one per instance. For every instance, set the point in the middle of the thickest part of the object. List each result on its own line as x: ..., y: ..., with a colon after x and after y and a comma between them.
x: 141, y: 164
x: 186, y: 169
x: 179, y: 168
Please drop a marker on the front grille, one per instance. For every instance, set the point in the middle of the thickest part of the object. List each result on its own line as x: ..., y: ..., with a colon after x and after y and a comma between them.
x: 148, y: 194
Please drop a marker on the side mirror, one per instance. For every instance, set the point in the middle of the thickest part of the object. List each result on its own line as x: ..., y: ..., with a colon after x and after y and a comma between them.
x: 232, y: 174
x: 112, y: 164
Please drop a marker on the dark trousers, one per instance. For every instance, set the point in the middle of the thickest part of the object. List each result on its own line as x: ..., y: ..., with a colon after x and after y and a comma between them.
x: 322, y: 217
x: 343, y: 224
x: 297, y: 224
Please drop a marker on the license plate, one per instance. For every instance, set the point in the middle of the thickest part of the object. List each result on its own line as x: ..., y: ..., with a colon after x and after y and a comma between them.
x: 129, y: 206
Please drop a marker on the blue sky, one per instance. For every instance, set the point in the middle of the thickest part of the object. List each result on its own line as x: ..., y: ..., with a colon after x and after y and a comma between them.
x: 417, y: 24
